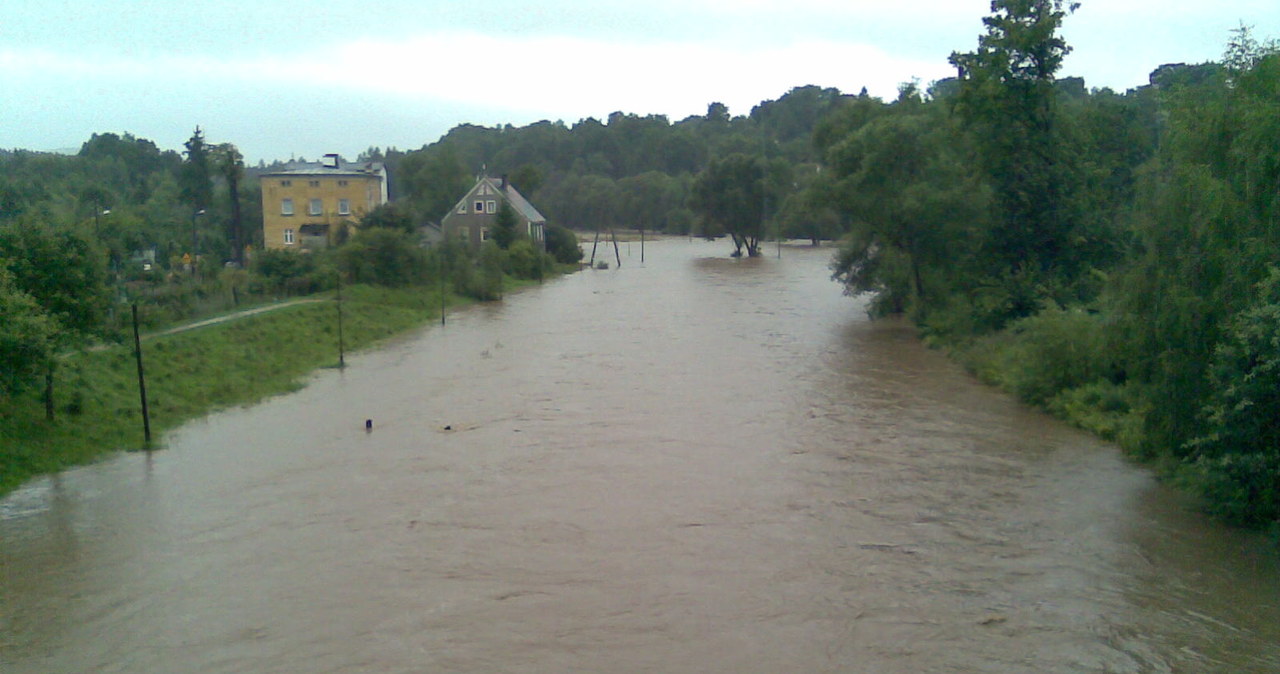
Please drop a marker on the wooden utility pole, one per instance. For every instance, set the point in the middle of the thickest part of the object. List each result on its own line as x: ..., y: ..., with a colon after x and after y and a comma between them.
x: 440, y: 259
x: 142, y: 379
x: 342, y: 362
x: 616, y: 253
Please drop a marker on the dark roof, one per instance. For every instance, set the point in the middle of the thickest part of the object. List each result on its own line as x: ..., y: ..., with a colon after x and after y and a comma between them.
x: 522, y: 205
x: 343, y: 168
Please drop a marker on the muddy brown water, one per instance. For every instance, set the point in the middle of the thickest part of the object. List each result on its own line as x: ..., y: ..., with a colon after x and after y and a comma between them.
x: 697, y: 464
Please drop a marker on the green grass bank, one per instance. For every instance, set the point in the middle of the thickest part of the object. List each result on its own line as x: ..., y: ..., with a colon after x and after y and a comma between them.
x: 190, y: 374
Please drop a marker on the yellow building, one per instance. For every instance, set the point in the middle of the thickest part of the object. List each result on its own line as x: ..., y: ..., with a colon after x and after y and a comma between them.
x: 304, y: 206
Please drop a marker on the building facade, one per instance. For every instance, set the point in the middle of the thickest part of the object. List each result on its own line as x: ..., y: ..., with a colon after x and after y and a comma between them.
x: 473, y: 218
x: 305, y: 205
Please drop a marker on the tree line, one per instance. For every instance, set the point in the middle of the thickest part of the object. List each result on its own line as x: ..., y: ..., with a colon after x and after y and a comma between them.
x: 1113, y: 257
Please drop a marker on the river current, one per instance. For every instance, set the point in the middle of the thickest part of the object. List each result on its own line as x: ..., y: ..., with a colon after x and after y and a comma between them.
x: 690, y: 464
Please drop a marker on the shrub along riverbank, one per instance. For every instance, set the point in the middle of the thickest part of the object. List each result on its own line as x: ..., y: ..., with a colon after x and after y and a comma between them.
x: 190, y: 374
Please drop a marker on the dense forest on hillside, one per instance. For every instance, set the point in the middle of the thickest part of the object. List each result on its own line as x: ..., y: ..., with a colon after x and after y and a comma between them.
x: 1111, y: 256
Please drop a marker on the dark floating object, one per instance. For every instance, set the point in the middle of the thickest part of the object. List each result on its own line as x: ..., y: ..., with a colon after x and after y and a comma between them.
x: 368, y: 424
x: 448, y: 427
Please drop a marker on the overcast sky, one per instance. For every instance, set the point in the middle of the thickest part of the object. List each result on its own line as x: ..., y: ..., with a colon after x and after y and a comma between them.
x: 284, y: 79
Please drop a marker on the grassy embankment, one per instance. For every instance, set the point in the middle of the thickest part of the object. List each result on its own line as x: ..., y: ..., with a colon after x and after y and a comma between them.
x: 1059, y: 361
x: 190, y: 374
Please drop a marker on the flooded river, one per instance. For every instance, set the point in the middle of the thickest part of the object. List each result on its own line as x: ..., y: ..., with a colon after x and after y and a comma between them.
x: 697, y: 464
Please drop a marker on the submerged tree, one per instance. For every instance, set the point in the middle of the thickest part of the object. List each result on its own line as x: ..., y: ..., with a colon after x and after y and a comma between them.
x: 733, y: 195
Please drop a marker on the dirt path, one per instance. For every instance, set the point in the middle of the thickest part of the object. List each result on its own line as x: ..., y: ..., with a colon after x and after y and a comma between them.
x: 213, y: 321
x: 231, y: 317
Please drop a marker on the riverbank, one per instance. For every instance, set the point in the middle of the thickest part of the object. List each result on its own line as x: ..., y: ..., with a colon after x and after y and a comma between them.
x: 236, y: 360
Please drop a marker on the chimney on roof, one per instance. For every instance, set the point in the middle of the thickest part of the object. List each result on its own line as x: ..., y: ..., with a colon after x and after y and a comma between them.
x: 504, y: 182
x: 330, y: 161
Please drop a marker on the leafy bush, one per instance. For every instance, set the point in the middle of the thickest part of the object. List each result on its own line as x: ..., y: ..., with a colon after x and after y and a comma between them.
x: 277, y: 267
x: 524, y: 261
x: 563, y: 245
x: 383, y: 256
x: 1237, y: 462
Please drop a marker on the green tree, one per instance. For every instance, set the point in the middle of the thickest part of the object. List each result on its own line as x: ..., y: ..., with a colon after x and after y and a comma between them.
x: 504, y: 226
x: 730, y: 195
x: 230, y: 165
x: 910, y: 199
x: 26, y: 337
x: 197, y: 190
x: 65, y: 274
x: 527, y: 179
x: 383, y: 256
x: 1238, y: 454
x: 391, y: 216
x: 433, y: 180
x: 1008, y: 102
x: 563, y: 245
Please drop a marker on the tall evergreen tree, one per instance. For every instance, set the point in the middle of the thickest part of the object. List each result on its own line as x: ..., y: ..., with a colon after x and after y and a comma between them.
x: 1007, y: 100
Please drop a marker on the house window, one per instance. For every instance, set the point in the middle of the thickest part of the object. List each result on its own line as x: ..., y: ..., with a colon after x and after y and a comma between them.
x: 462, y: 207
x: 479, y: 206
x: 484, y: 233
x: 342, y: 183
x: 491, y: 206
x: 315, y: 208
x: 344, y: 207
x: 313, y: 183
x: 288, y: 237
x: 286, y: 183
x: 286, y: 207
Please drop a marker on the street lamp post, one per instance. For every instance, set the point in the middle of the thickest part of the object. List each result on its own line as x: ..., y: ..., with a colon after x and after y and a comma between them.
x: 195, y: 244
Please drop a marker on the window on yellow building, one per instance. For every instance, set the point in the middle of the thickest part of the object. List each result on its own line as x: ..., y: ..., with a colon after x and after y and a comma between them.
x: 313, y: 183
x: 342, y: 183
x: 286, y: 183
x: 344, y: 207
x: 286, y: 207
x: 315, y: 208
x: 288, y: 237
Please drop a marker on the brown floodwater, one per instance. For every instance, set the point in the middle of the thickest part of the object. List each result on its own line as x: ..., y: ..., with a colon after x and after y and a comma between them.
x: 695, y: 464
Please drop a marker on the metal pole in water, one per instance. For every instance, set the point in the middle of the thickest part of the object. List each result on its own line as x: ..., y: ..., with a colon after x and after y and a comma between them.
x: 142, y: 379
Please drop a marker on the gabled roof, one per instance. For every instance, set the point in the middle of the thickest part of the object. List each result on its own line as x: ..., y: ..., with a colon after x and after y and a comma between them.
x: 522, y: 205
x: 518, y: 203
